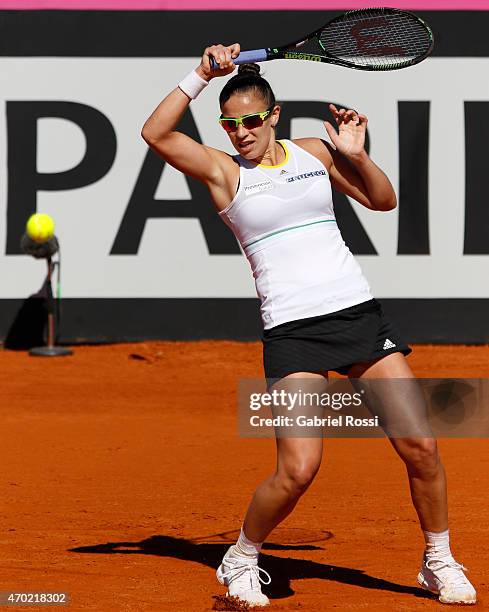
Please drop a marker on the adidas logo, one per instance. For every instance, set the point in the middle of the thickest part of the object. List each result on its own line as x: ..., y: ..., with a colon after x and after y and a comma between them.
x: 388, y: 344
x: 283, y: 172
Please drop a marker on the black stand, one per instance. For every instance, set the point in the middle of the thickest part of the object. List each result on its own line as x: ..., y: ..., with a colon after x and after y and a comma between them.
x: 50, y: 350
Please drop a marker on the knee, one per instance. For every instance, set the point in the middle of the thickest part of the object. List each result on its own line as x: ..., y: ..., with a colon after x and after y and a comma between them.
x: 297, y: 478
x: 422, y: 458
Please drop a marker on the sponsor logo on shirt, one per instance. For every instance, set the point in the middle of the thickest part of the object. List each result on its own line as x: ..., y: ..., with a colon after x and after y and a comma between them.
x: 306, y: 175
x: 256, y: 187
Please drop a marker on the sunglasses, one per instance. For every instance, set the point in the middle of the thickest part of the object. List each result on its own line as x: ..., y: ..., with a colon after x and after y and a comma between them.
x: 249, y: 122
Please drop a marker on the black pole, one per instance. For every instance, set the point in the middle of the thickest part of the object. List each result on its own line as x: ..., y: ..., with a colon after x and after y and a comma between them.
x: 50, y: 350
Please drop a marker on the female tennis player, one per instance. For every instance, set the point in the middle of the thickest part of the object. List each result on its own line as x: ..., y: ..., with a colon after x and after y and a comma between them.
x: 317, y: 310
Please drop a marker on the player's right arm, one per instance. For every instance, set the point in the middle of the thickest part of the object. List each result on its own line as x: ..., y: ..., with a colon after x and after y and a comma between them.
x: 190, y: 157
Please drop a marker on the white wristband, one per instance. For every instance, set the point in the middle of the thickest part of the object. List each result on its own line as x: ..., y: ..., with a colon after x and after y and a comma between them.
x: 192, y: 85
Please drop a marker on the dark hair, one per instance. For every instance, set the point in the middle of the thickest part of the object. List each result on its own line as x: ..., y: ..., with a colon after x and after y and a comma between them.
x: 248, y: 78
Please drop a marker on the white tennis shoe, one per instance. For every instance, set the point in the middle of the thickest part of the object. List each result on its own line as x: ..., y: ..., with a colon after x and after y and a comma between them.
x: 242, y: 577
x: 446, y: 578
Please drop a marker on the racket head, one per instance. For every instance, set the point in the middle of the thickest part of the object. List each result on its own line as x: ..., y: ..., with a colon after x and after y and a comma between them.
x: 375, y: 39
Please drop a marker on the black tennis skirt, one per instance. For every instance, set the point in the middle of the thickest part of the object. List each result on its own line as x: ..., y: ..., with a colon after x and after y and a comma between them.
x: 334, y: 341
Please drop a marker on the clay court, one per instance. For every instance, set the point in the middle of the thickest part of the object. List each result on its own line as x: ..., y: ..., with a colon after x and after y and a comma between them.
x: 124, y: 480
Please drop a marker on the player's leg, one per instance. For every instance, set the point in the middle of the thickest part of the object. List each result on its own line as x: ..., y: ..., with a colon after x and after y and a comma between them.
x: 420, y: 454
x: 391, y: 389
x: 298, y: 460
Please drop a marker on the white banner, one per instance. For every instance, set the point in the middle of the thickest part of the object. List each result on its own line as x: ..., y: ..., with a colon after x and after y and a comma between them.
x: 173, y: 259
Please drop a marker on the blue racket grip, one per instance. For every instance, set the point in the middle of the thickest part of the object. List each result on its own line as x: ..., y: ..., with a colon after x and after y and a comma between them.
x: 246, y: 57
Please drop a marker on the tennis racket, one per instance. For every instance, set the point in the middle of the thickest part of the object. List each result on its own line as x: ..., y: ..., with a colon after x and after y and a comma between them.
x: 367, y: 39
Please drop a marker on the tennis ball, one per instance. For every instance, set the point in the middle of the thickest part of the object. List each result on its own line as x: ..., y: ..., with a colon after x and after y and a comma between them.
x: 40, y: 227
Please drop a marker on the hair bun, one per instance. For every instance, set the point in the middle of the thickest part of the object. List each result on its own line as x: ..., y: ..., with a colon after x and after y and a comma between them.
x: 249, y: 69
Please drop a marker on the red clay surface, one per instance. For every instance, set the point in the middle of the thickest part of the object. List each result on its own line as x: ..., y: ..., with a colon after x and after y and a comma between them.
x: 123, y: 480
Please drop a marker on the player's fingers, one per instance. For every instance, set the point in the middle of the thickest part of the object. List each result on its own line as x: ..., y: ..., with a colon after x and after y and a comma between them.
x: 334, y: 112
x: 225, y: 61
x: 351, y: 115
x: 337, y: 116
x: 331, y: 132
x: 222, y: 54
x: 340, y: 118
x: 210, y: 53
x: 219, y: 52
x: 235, y: 49
x: 206, y: 58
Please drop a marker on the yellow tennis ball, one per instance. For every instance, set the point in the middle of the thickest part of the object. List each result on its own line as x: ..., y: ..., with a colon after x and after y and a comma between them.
x: 40, y: 227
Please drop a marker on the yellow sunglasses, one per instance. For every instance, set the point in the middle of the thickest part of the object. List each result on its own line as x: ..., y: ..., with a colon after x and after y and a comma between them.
x: 254, y: 120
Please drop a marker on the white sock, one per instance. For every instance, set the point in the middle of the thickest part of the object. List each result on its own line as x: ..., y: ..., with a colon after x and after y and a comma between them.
x: 437, y: 545
x: 246, y: 547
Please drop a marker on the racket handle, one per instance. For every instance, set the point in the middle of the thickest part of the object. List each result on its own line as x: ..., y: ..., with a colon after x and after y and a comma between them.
x: 247, y: 57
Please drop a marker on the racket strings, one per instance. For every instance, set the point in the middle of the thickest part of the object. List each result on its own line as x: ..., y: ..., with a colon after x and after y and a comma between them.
x: 377, y: 40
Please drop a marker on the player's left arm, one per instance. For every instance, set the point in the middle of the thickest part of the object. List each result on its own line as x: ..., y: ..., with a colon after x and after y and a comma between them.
x: 351, y: 170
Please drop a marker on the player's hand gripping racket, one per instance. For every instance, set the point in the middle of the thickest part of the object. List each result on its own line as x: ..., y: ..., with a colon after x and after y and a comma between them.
x: 367, y: 39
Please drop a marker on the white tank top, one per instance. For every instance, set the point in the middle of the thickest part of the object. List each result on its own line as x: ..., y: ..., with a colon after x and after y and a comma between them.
x: 283, y: 218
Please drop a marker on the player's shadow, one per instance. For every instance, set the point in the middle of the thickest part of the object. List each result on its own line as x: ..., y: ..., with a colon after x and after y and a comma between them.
x: 282, y: 570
